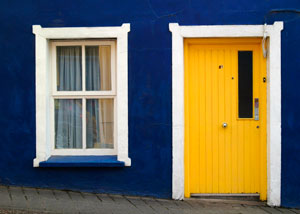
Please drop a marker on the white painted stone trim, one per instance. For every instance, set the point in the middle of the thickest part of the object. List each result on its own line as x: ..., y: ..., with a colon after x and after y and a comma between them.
x: 43, y: 77
x: 273, y: 98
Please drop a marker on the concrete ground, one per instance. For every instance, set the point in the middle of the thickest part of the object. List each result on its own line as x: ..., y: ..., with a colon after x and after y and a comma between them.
x: 19, y: 200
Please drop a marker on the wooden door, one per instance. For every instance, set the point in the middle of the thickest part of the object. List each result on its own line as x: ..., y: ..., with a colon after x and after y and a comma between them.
x: 225, y: 117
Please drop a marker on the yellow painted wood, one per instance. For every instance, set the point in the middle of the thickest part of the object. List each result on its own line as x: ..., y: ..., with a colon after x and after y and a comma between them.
x: 217, y: 159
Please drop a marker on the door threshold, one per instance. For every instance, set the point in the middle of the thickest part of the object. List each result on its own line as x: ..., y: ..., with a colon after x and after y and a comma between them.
x: 244, y: 197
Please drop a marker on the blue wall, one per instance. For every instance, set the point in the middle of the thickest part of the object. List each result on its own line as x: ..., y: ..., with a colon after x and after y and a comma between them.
x: 150, y: 133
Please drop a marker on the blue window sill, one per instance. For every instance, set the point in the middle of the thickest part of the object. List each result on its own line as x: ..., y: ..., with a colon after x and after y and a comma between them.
x: 82, y: 161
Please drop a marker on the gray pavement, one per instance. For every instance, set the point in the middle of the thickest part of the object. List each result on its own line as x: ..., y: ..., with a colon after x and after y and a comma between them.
x: 20, y: 200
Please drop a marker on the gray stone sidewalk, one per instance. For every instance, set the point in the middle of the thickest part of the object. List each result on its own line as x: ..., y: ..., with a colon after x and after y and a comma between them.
x: 20, y: 200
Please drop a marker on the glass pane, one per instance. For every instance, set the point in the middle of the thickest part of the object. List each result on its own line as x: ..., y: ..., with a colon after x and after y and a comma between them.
x: 98, y: 68
x: 245, y: 84
x: 68, y: 123
x: 69, y: 68
x: 99, y: 123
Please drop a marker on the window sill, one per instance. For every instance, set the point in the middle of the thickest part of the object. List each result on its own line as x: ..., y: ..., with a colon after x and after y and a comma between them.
x: 82, y: 161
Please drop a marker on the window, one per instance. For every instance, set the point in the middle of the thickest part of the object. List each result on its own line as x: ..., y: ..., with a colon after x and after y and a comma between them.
x: 245, y: 86
x: 83, y: 97
x: 81, y: 93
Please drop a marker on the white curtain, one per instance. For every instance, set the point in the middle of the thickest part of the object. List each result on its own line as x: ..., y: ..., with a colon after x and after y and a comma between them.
x: 98, y: 111
x: 68, y: 121
x: 69, y: 68
x: 68, y: 112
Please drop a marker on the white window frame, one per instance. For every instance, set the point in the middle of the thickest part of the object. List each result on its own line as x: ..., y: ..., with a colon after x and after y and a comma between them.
x: 44, y: 41
x: 273, y: 33
x: 83, y: 95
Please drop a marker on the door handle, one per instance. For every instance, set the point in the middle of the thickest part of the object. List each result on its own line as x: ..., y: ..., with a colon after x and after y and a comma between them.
x: 224, y: 125
x: 256, y: 109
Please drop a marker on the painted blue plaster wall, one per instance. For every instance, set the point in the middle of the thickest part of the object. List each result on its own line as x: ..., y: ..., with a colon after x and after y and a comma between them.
x: 150, y: 133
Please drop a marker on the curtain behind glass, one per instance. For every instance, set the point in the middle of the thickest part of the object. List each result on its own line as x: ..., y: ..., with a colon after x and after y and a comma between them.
x: 99, y: 123
x: 69, y: 69
x: 105, y: 67
x: 68, y: 123
x: 68, y: 113
x: 92, y: 63
x: 99, y: 112
x: 98, y: 68
x: 98, y: 77
x: 92, y: 123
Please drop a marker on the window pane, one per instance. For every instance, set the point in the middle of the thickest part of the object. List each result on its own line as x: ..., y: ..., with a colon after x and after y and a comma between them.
x: 69, y: 68
x: 98, y: 68
x: 99, y: 123
x: 245, y: 84
x: 68, y: 123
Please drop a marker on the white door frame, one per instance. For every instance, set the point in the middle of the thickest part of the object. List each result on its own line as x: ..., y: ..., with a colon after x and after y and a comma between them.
x: 273, y: 32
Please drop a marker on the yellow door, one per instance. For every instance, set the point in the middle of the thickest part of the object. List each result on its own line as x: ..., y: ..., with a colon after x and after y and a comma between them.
x: 225, y: 117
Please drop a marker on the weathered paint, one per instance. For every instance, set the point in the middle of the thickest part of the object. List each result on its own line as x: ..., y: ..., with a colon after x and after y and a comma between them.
x: 150, y: 134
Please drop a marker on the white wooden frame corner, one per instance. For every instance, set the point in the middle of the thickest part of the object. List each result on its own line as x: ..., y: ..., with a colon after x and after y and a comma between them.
x: 273, y: 32
x: 43, y: 84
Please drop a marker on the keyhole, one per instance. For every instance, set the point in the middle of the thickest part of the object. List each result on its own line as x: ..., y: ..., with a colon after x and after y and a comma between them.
x: 220, y: 66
